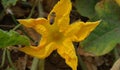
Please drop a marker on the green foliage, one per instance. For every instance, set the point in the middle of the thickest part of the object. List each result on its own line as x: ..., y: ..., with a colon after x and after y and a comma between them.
x: 12, y: 38
x: 105, y: 37
x: 109, y: 11
x: 86, y: 7
x: 7, y: 3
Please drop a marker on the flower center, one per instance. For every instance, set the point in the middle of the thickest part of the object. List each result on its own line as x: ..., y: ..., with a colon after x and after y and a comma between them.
x: 57, y: 36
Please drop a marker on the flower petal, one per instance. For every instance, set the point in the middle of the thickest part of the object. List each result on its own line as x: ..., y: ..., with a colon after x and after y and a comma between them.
x: 27, y: 22
x: 62, y: 10
x: 67, y: 52
x: 33, y: 22
x: 73, y: 29
x: 39, y: 52
x: 41, y: 25
x: 63, y: 23
x: 42, y: 30
x: 85, y: 30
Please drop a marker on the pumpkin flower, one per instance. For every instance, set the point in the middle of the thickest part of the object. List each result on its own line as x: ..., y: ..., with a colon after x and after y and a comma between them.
x: 58, y: 34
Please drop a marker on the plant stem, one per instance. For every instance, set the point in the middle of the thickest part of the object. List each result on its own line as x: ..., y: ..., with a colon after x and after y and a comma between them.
x: 10, y: 60
x: 3, y: 58
x: 41, y: 64
x: 80, y: 61
x: 32, y: 10
x: 16, y: 27
x: 34, y: 64
x: 14, y: 19
x: 40, y: 9
x: 83, y: 66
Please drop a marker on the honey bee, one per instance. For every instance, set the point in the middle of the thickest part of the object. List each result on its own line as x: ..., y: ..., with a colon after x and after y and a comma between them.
x: 52, y: 17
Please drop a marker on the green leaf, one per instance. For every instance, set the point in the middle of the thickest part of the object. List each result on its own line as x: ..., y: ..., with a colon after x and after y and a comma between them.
x: 108, y: 10
x: 105, y: 37
x: 12, y: 38
x: 86, y: 7
x: 7, y: 3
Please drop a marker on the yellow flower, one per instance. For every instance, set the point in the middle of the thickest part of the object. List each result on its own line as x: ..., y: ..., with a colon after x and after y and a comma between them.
x: 58, y: 35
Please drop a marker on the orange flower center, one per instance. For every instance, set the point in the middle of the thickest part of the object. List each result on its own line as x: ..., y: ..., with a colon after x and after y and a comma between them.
x: 56, y: 35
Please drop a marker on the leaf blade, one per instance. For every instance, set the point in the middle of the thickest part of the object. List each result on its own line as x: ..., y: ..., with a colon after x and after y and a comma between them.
x: 12, y: 38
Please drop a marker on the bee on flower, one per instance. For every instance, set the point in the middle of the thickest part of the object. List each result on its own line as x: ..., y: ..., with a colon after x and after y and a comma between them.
x: 52, y: 17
